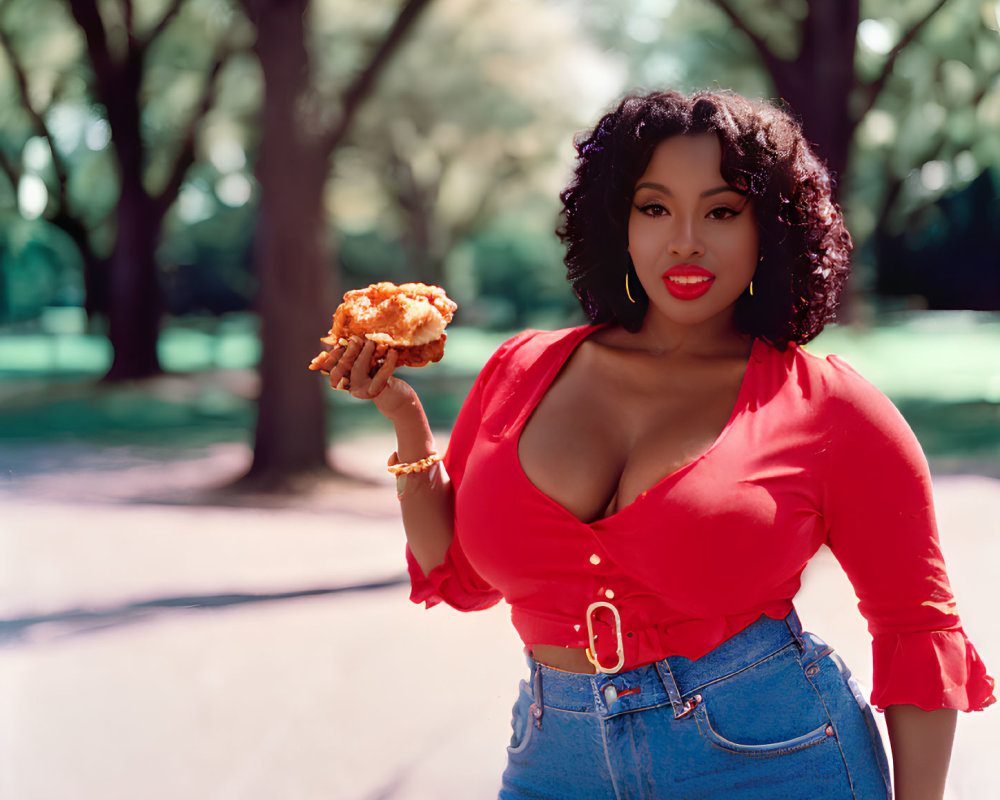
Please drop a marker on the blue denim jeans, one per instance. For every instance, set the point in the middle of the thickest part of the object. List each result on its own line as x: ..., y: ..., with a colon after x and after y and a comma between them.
x: 769, y: 713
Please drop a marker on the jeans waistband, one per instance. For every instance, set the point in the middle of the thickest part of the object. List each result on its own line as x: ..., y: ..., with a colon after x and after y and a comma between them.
x: 674, y: 680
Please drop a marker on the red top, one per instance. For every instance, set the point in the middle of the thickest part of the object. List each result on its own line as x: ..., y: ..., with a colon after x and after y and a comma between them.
x: 812, y: 454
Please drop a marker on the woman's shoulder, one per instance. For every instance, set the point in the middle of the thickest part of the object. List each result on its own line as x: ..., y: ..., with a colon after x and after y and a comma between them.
x: 530, y: 346
x: 523, y: 360
x: 838, y: 391
x: 834, y: 372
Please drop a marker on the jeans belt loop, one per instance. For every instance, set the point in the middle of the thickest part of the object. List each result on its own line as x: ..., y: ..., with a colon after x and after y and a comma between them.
x: 667, y: 677
x: 795, y: 628
x: 536, y: 693
x: 812, y: 649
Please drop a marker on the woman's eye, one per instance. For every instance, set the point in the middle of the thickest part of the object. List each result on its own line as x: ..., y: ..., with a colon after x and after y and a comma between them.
x: 652, y: 209
x: 722, y: 212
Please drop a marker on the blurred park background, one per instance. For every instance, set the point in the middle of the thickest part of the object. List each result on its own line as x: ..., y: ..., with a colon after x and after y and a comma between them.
x: 189, y: 185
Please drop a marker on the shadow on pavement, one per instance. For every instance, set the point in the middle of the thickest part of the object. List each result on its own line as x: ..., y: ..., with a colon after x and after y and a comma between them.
x: 77, y: 622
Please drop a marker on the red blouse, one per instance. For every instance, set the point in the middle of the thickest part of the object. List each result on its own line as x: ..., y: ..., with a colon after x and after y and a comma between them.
x: 811, y: 454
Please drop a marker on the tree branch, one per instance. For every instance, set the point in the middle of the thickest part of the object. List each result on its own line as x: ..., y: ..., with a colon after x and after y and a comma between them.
x: 772, y: 63
x: 876, y: 86
x: 363, y: 84
x: 508, y: 168
x: 161, y: 26
x: 63, y: 218
x: 129, y: 15
x: 933, y: 149
x: 38, y: 121
x: 10, y: 170
x: 186, y: 154
x: 89, y: 19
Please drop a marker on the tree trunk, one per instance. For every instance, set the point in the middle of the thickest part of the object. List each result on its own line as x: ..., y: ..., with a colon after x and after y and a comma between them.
x: 818, y: 83
x: 135, y: 302
x: 293, y: 256
x: 292, y: 247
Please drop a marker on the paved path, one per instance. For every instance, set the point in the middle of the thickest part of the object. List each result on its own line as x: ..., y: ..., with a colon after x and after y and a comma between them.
x: 156, y: 647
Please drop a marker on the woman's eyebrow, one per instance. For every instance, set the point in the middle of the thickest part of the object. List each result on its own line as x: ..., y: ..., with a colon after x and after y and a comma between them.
x: 707, y: 193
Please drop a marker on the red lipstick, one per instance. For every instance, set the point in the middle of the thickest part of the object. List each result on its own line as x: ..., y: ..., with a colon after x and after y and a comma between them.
x: 688, y: 281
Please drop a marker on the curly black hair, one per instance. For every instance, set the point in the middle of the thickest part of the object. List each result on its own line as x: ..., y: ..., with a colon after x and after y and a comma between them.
x: 804, y: 244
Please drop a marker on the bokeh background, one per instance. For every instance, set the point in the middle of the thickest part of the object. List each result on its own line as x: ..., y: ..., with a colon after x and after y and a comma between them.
x: 200, y: 559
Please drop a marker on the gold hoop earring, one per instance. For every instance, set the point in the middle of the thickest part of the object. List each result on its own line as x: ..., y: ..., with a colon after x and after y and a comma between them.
x: 751, y: 288
x: 628, y: 294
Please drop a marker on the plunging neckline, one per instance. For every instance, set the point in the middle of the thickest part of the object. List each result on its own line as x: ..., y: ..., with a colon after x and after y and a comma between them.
x: 586, y: 332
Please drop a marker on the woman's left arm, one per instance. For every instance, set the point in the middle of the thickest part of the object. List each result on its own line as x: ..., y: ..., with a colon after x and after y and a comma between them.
x: 921, y: 749
x: 879, y: 510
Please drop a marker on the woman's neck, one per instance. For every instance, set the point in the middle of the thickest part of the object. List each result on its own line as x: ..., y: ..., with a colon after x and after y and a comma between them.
x: 709, y: 339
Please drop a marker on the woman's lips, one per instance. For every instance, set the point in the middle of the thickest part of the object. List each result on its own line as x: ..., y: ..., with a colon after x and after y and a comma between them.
x: 688, y: 281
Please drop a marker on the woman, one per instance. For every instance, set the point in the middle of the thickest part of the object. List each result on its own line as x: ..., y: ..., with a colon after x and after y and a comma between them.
x: 646, y: 490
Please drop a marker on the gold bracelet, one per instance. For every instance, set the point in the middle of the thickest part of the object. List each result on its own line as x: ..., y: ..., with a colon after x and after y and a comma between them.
x: 423, y: 464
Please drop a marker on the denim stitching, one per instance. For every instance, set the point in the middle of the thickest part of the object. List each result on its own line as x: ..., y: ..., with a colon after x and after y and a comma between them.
x: 720, y: 742
x: 768, y: 657
x: 836, y: 733
x: 607, y: 756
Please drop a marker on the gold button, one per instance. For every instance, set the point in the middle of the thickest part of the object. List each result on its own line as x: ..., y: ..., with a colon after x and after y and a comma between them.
x: 595, y: 559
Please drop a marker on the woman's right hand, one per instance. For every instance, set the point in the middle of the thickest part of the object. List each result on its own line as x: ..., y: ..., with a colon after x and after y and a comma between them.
x: 350, y: 369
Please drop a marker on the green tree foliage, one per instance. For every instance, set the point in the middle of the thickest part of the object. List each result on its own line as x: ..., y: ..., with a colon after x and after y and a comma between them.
x: 926, y: 162
x: 949, y: 257
x: 474, y: 152
x: 133, y: 82
x: 936, y: 124
x: 56, y: 199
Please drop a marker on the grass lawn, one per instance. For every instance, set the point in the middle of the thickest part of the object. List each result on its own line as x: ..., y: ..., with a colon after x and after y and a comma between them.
x: 941, y: 368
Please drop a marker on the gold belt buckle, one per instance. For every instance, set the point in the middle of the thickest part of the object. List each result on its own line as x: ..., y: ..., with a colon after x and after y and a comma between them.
x: 591, y: 651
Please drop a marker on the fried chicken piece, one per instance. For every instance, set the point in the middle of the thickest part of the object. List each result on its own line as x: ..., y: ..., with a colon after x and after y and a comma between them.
x: 409, y: 318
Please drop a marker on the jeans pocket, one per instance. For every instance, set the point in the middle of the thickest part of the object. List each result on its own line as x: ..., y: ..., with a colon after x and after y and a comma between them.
x: 731, y: 740
x: 767, y: 709
x: 521, y: 721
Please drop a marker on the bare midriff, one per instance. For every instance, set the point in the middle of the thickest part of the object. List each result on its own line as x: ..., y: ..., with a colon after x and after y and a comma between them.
x: 568, y: 659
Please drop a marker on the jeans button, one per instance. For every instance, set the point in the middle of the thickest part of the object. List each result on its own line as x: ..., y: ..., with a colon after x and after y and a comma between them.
x: 610, y: 694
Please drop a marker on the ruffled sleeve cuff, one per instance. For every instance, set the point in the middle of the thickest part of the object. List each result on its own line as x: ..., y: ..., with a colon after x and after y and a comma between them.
x: 453, y: 582
x: 929, y: 669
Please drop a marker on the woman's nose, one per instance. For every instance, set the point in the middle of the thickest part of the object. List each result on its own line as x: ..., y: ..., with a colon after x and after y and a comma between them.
x: 685, y: 240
